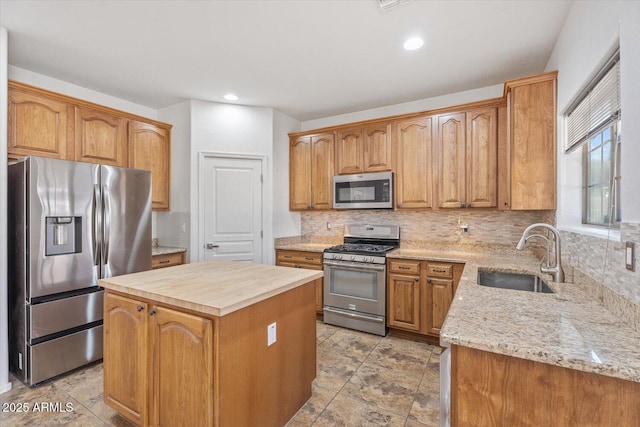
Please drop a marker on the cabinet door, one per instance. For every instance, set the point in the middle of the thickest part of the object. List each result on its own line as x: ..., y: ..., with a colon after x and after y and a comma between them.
x: 414, y: 140
x: 440, y: 297
x: 451, y: 161
x: 533, y: 154
x: 404, y: 302
x: 149, y: 149
x: 482, y: 168
x: 300, y: 173
x: 349, y: 151
x: 125, y: 357
x: 39, y: 125
x: 100, y: 137
x: 322, y: 158
x: 377, y: 147
x: 182, y: 369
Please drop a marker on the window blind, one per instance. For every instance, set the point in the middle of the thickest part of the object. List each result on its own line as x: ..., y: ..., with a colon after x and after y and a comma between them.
x: 599, y: 106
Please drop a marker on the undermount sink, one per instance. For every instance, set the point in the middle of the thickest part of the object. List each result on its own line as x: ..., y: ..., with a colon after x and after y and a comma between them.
x: 516, y: 281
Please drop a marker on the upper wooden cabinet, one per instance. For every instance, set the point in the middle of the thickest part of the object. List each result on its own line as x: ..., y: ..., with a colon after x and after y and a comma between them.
x: 364, y: 149
x: 47, y: 124
x: 414, y: 148
x: 311, y: 160
x: 100, y: 137
x: 39, y: 125
x: 149, y: 149
x: 531, y: 105
x: 467, y: 153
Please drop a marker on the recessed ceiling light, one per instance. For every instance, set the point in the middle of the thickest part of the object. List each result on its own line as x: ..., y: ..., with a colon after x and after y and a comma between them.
x: 413, y: 43
x: 230, y: 97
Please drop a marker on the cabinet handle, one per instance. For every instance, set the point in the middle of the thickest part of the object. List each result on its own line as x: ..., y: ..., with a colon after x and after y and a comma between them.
x: 139, y: 308
x: 152, y: 312
x: 287, y: 256
x: 308, y: 258
x: 439, y: 271
x: 166, y: 261
x: 403, y: 268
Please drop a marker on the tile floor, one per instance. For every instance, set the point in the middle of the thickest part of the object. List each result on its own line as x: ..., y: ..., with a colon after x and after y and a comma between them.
x: 362, y: 380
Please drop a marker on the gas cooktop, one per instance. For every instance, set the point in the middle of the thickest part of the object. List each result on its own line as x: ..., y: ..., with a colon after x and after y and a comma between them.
x: 360, y: 248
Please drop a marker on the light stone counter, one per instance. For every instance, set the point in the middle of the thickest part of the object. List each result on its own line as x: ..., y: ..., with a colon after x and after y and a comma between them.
x: 567, y: 328
x: 309, y: 247
x: 211, y: 287
x: 165, y: 250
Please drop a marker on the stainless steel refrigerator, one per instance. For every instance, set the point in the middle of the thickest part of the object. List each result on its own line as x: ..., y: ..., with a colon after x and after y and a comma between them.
x: 70, y: 224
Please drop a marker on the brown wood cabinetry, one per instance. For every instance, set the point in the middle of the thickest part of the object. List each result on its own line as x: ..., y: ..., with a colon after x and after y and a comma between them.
x: 48, y: 124
x: 451, y: 160
x: 308, y: 260
x: 364, y: 149
x: 414, y: 148
x: 420, y: 293
x: 489, y: 389
x: 531, y: 105
x: 167, y: 260
x: 140, y: 342
x: 149, y: 149
x: 39, y: 124
x: 100, y: 137
x: 311, y: 160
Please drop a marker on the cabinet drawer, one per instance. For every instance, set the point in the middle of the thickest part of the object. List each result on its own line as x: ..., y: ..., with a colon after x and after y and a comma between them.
x: 299, y: 257
x: 404, y: 267
x: 440, y: 270
x: 167, y: 260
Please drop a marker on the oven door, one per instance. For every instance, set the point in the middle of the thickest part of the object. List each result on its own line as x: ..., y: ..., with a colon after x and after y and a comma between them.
x: 355, y: 286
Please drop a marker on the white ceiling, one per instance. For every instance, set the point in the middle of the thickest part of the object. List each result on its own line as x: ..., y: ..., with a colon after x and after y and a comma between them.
x: 308, y: 59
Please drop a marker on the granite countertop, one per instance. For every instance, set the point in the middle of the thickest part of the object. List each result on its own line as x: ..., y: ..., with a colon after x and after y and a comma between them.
x: 164, y: 250
x: 567, y: 328
x: 211, y: 287
x: 309, y: 247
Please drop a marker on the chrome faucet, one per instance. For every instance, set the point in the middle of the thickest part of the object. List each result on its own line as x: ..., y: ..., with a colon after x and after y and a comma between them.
x: 555, y: 268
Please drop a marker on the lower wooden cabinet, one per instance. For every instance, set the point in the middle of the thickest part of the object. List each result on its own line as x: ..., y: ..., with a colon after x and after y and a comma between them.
x: 307, y: 260
x: 155, y: 357
x: 419, y: 294
x: 168, y: 260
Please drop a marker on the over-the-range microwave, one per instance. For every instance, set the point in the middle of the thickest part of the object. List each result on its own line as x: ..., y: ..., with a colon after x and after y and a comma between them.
x: 363, y: 191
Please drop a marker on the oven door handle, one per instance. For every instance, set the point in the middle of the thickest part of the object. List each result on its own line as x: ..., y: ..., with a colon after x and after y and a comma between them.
x: 356, y: 266
x: 354, y: 315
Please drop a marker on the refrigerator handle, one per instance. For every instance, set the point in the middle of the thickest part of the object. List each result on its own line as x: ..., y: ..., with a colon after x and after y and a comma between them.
x: 94, y: 224
x: 106, y: 218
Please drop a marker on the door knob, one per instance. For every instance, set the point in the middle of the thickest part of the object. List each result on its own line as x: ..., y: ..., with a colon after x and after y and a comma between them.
x: 210, y: 246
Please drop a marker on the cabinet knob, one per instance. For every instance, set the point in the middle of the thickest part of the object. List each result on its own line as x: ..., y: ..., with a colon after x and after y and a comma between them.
x: 417, y: 279
x: 152, y: 312
x: 428, y: 280
x: 139, y: 308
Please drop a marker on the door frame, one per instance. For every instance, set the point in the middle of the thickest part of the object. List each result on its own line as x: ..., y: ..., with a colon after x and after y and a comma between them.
x: 266, y: 234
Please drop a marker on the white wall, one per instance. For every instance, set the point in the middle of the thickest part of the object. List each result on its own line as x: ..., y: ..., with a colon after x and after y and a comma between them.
x: 5, y: 385
x: 229, y: 128
x: 590, y: 34
x: 45, y: 82
x: 426, y: 104
x: 285, y: 222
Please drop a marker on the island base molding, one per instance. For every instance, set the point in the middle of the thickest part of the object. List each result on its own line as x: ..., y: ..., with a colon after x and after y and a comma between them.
x: 249, y: 383
x: 489, y: 389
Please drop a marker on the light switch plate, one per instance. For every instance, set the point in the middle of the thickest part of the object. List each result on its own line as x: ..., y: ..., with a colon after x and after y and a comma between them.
x: 630, y: 256
x: 271, y: 334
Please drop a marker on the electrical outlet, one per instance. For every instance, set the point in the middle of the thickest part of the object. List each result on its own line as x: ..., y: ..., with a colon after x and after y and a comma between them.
x: 630, y: 256
x: 328, y: 226
x: 271, y: 334
x: 183, y: 227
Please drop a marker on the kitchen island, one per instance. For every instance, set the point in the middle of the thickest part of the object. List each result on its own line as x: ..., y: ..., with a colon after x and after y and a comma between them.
x: 216, y: 343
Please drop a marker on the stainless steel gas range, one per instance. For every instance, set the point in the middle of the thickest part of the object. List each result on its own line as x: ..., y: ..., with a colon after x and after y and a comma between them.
x: 355, y: 293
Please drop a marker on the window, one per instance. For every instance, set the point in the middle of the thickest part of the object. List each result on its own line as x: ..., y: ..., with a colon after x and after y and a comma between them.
x: 593, y: 123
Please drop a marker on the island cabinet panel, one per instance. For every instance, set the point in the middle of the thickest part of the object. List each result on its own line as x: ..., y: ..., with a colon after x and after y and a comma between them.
x: 182, y: 369
x: 149, y: 149
x: 489, y: 389
x: 531, y: 104
x: 414, y: 161
x: 39, y: 125
x: 125, y: 357
x: 100, y: 137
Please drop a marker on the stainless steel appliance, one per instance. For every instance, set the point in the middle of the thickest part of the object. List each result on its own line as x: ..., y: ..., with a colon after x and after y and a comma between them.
x: 363, y: 191
x: 70, y: 224
x: 355, y: 277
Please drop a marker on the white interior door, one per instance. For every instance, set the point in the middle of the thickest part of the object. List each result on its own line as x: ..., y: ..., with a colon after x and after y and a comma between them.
x: 231, y: 190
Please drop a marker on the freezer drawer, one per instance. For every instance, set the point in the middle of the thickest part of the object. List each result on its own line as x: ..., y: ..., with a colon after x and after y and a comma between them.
x: 51, y: 358
x: 66, y: 313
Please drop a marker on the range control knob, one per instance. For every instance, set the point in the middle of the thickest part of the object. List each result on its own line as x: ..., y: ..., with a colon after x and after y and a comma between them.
x: 353, y: 257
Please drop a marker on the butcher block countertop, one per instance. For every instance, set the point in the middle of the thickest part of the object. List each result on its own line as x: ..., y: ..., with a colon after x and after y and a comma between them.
x: 568, y: 328
x: 211, y: 287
